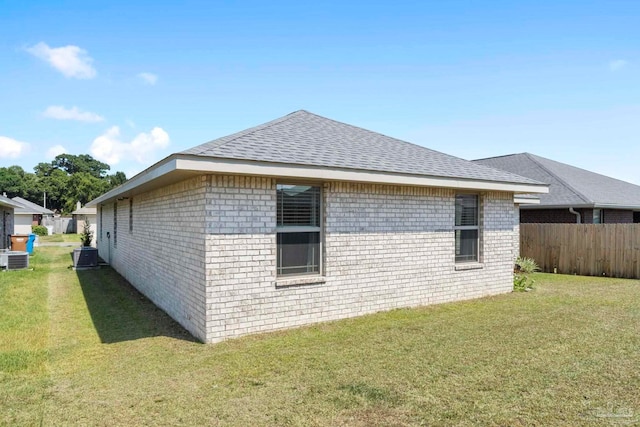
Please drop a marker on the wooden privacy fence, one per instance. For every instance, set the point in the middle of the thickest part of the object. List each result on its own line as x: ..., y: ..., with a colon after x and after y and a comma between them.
x: 585, y: 249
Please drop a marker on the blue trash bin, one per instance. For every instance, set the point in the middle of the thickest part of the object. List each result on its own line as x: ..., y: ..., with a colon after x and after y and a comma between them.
x: 32, y: 238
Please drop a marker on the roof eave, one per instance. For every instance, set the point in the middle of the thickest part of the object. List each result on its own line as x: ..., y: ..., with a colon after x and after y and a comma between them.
x: 10, y: 204
x: 562, y: 206
x: 587, y: 206
x: 613, y: 206
x: 526, y: 201
x: 191, y: 164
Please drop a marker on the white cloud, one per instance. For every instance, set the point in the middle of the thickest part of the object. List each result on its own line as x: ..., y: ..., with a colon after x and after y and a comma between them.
x: 56, y: 150
x: 73, y: 113
x: 617, y: 64
x: 71, y: 61
x: 109, y: 147
x: 11, y: 149
x: 148, y: 78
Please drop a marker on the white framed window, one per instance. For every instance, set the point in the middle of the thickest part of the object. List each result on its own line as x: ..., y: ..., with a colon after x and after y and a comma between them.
x: 299, y: 219
x: 467, y: 228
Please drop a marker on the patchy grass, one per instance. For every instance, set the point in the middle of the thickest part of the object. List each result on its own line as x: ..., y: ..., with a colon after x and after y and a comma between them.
x: 60, y: 238
x: 97, y: 353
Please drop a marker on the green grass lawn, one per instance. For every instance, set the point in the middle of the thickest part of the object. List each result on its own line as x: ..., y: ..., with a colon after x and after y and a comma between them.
x: 60, y: 238
x: 85, y: 349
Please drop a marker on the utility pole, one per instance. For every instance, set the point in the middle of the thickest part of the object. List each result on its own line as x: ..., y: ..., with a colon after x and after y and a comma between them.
x: 44, y: 199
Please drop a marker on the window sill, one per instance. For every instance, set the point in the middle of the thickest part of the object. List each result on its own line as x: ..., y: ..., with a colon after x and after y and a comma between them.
x: 299, y: 281
x: 469, y: 266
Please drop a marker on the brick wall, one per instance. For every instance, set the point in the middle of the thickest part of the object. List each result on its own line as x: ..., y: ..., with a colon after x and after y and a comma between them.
x: 385, y: 247
x: 204, y: 250
x: 558, y: 216
x: 617, y: 216
x: 549, y: 216
x: 164, y: 255
x: 241, y: 256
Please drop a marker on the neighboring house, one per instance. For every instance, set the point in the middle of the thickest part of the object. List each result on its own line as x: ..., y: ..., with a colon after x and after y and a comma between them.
x: 83, y: 214
x: 305, y: 219
x: 28, y: 214
x: 575, y: 195
x: 7, y: 207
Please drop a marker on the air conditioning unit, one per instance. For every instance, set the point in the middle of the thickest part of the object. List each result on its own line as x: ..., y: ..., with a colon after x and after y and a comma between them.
x: 14, y: 260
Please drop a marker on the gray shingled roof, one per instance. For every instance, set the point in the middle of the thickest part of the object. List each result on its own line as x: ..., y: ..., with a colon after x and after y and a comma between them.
x: 304, y: 138
x: 5, y: 201
x: 30, y: 207
x: 85, y: 211
x: 569, y: 185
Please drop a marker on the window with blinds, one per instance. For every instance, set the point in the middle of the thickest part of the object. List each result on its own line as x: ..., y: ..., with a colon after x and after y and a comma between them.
x: 298, y: 229
x: 466, y: 228
x: 298, y: 205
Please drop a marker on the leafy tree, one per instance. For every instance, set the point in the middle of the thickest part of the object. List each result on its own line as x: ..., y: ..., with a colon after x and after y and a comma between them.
x: 44, y: 169
x: 56, y: 185
x: 116, y: 179
x: 83, y: 187
x: 12, y: 181
x: 66, y: 180
x: 83, y: 163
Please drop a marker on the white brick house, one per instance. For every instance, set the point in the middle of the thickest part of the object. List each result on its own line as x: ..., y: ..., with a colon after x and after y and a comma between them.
x: 303, y: 220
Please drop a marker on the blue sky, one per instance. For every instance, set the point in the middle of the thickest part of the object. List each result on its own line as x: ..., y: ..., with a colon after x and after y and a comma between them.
x: 133, y: 83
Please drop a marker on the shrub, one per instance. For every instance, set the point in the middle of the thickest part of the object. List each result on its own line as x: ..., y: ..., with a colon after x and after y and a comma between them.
x: 87, y: 235
x: 521, y: 280
x: 526, y: 265
x: 40, y: 230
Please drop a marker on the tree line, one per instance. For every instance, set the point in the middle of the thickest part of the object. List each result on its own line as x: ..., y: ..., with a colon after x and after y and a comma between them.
x: 65, y: 181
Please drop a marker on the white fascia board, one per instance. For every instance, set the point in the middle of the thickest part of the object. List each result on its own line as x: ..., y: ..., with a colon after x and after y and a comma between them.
x: 207, y: 165
x: 154, y: 172
x: 238, y: 167
x: 525, y: 201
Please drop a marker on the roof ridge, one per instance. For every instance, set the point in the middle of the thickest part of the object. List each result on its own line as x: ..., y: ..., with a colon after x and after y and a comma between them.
x: 533, y: 158
x: 497, y: 157
x: 251, y: 130
x: 376, y: 133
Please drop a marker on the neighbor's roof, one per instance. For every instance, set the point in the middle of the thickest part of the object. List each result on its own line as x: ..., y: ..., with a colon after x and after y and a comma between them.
x: 27, y: 207
x: 569, y: 186
x: 7, y: 202
x: 85, y: 211
x: 305, y: 145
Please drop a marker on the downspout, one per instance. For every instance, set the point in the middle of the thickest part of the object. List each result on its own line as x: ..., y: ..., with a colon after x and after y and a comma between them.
x: 577, y: 214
